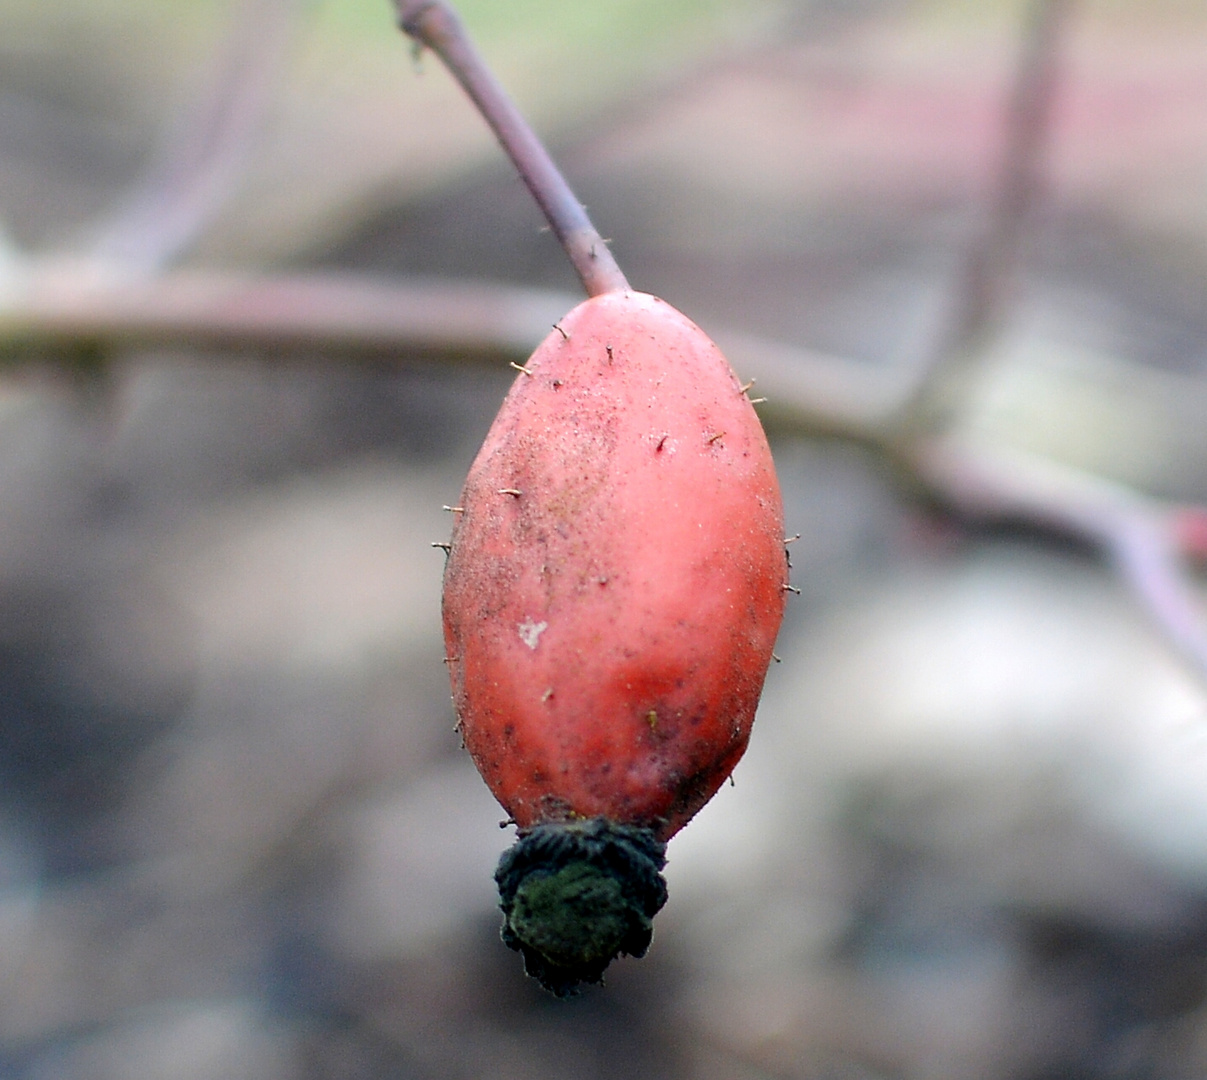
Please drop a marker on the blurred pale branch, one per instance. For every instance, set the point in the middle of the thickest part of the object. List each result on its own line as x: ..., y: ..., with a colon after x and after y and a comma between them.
x: 1148, y: 541
x: 66, y: 301
x: 203, y: 157
x: 119, y: 292
x: 990, y: 273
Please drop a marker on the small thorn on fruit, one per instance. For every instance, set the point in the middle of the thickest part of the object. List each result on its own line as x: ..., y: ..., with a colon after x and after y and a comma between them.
x: 511, y: 491
x: 454, y: 509
x: 520, y: 367
x: 565, y: 336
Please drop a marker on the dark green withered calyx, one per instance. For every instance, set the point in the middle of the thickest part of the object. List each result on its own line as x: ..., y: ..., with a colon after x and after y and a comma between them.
x: 576, y: 895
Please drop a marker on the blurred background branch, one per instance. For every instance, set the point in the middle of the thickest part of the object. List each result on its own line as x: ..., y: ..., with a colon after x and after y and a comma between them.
x: 989, y: 278
x: 206, y: 150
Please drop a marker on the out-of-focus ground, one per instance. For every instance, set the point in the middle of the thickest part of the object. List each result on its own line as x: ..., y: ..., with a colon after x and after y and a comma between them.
x: 237, y: 834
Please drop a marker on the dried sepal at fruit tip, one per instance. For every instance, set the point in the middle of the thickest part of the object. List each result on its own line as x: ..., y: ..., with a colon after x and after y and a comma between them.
x: 577, y: 895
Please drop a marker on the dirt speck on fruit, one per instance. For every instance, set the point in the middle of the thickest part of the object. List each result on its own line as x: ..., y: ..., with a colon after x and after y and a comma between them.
x: 531, y: 631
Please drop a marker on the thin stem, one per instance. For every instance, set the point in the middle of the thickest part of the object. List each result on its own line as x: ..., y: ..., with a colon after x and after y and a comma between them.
x: 434, y: 24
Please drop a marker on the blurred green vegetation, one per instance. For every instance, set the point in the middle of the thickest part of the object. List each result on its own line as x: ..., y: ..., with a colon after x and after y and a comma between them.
x: 558, y: 50
x: 354, y: 123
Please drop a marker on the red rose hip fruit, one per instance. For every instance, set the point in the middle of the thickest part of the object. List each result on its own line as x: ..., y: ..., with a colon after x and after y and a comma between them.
x: 613, y: 591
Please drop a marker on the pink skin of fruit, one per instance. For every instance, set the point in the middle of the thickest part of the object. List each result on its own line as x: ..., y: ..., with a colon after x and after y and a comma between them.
x: 617, y: 574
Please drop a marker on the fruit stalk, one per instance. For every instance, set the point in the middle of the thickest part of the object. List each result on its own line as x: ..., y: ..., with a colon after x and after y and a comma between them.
x: 434, y: 25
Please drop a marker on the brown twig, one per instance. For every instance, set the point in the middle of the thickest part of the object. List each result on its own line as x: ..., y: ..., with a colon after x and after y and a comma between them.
x: 201, y: 161
x: 55, y: 305
x: 470, y: 321
x: 435, y: 25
